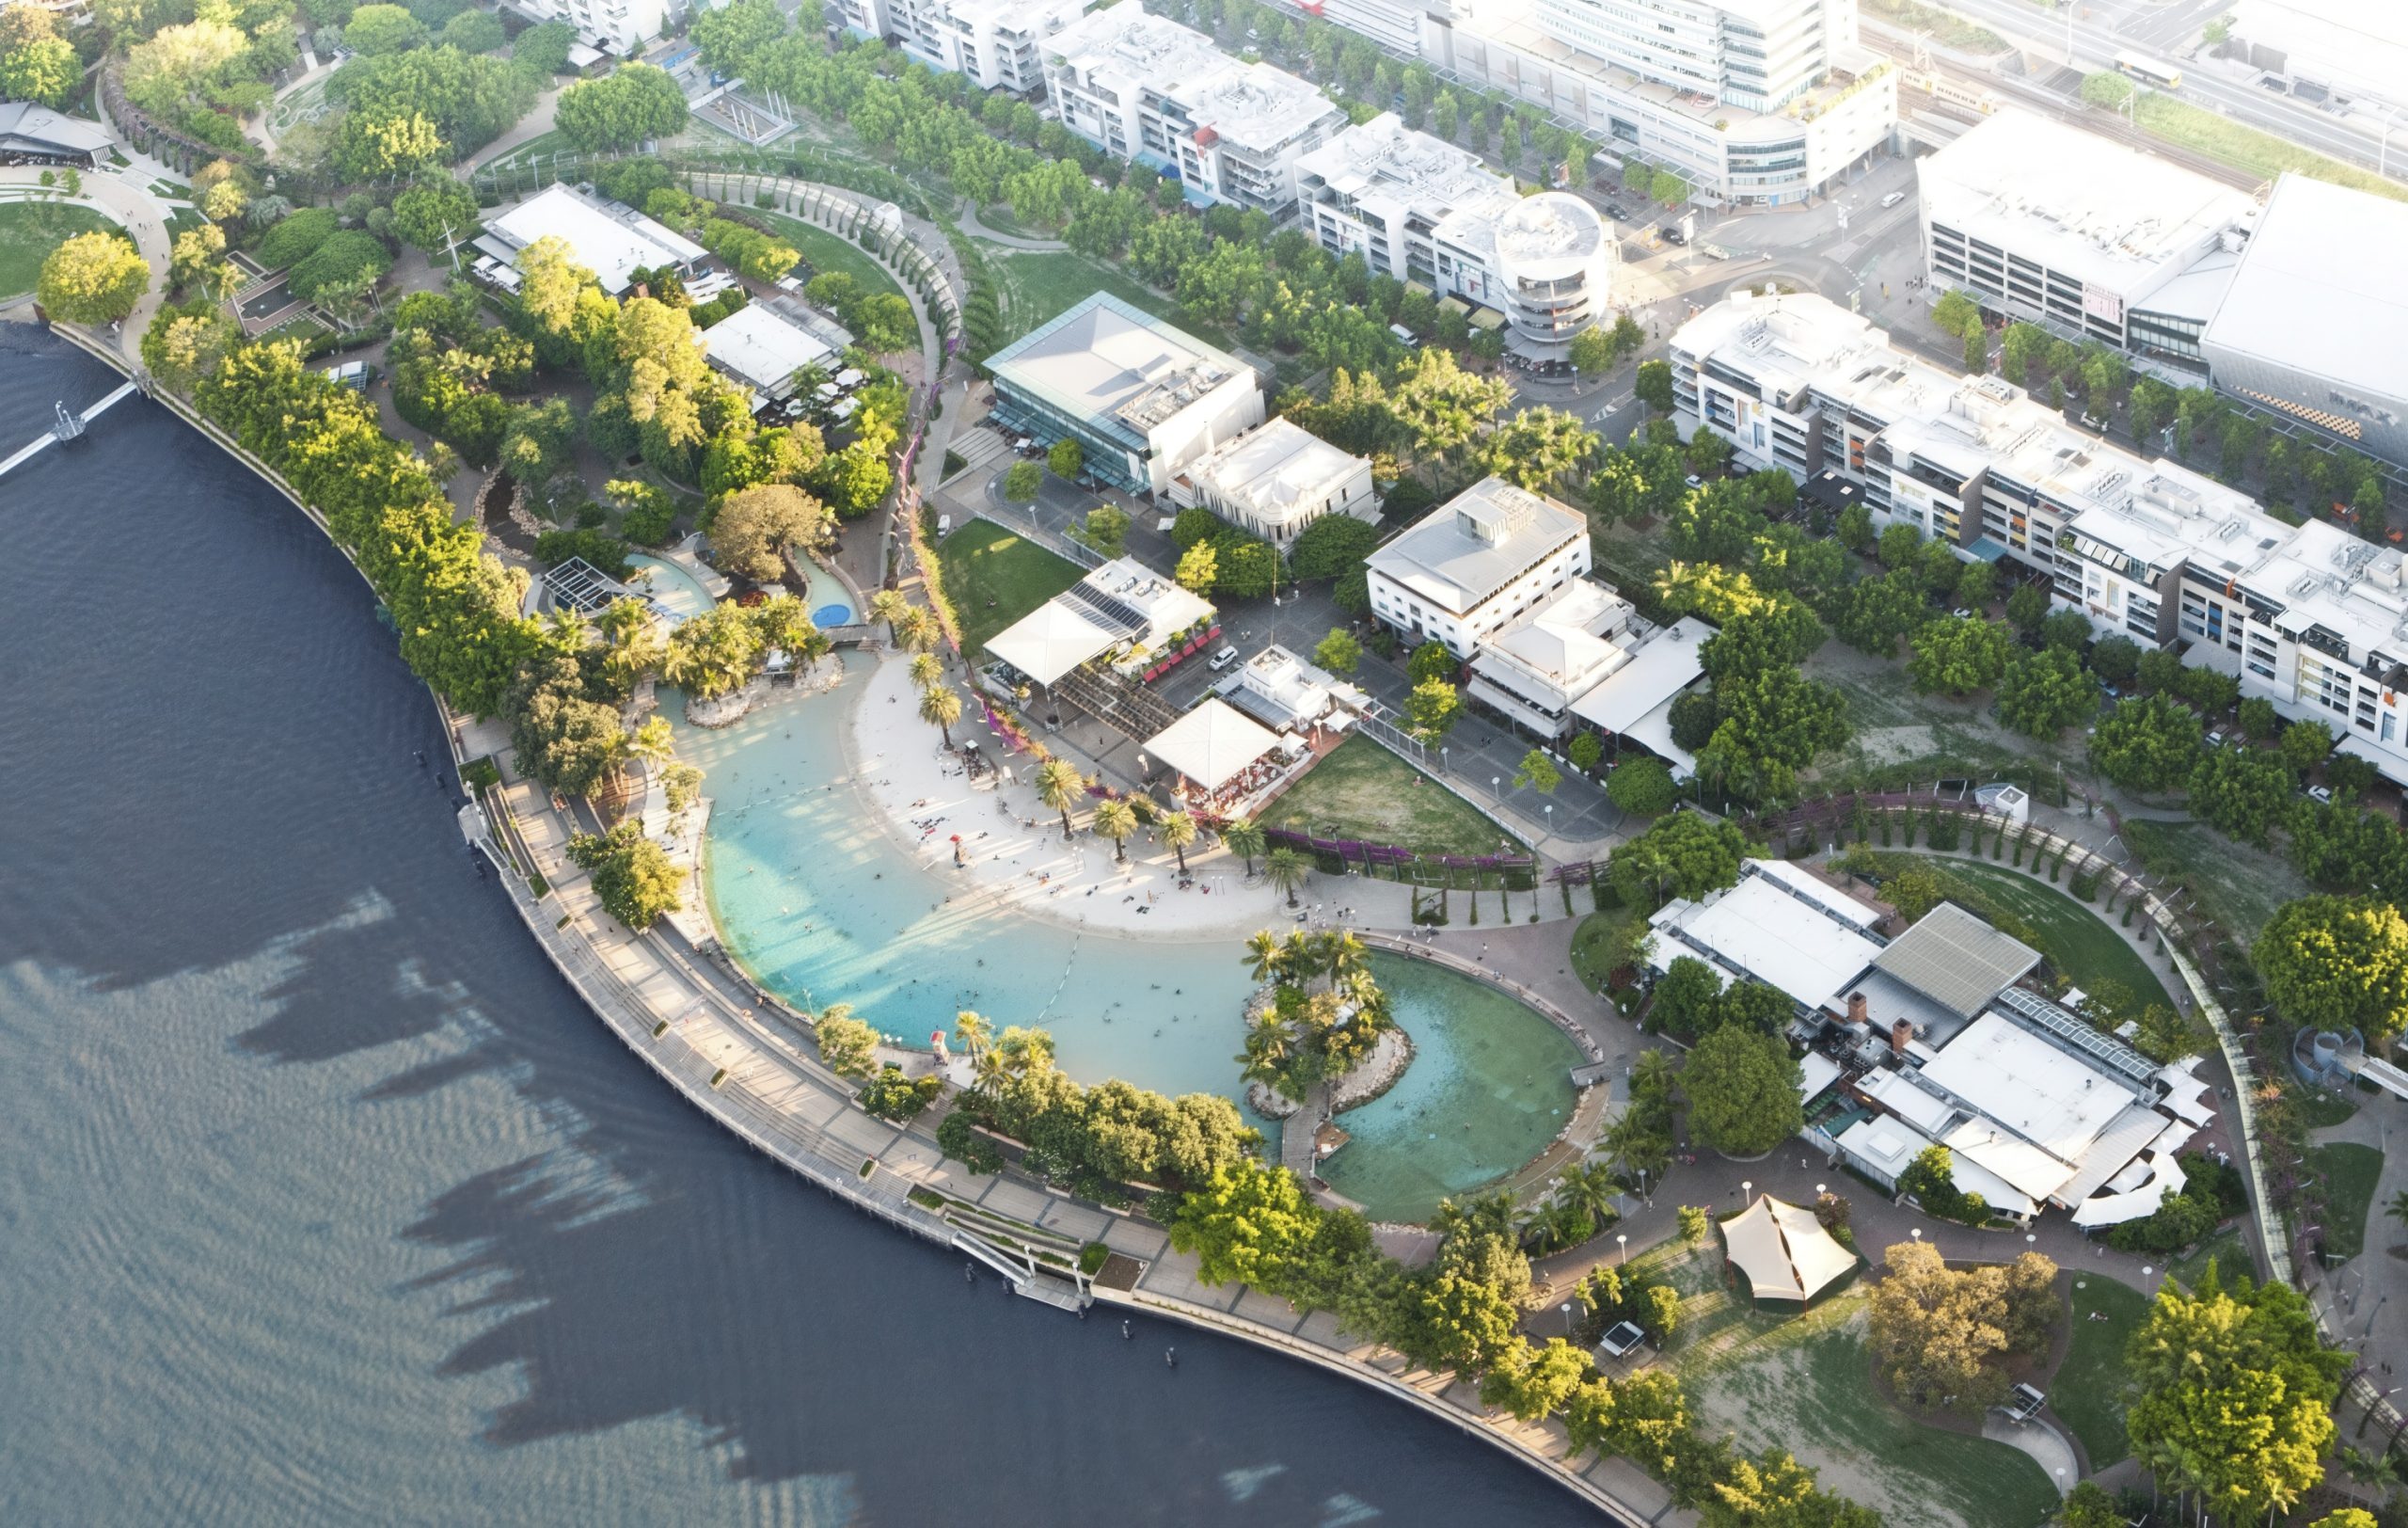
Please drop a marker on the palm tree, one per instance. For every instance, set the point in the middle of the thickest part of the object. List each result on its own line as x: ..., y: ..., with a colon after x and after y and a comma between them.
x: 1263, y: 955
x: 925, y: 670
x: 1059, y: 785
x: 975, y: 1030
x: 1268, y: 1046
x: 1301, y: 958
x: 1241, y: 835
x: 940, y: 705
x: 652, y: 742
x: 1178, y: 831
x: 1342, y: 953
x: 2398, y: 1208
x: 916, y: 630
x: 1589, y: 1188
x: 888, y: 606
x: 1116, y: 820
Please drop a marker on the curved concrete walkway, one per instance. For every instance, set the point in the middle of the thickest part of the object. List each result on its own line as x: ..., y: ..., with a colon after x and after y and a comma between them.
x: 2049, y: 1449
x: 966, y: 215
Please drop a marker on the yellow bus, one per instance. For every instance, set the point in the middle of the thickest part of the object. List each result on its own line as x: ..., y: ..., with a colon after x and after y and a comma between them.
x: 2154, y: 73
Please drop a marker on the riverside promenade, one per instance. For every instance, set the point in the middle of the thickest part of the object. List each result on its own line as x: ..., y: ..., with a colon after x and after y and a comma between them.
x: 750, y: 1067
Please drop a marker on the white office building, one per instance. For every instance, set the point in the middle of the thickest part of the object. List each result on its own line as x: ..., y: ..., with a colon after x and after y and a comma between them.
x: 1474, y: 564
x: 1147, y: 88
x: 2309, y: 617
x: 612, y: 26
x: 2326, y: 49
x: 1277, y: 479
x: 999, y: 44
x: 1752, y: 101
x: 1554, y: 257
x: 2096, y: 252
x: 1144, y: 400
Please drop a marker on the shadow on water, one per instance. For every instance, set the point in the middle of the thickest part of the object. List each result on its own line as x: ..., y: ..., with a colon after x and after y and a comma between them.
x: 650, y: 1266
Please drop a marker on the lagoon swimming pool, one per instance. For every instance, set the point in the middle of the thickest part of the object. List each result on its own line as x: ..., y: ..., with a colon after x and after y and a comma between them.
x: 818, y: 904
x: 676, y: 589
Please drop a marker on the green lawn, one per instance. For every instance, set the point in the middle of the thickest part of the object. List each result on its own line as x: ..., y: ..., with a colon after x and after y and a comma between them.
x: 2321, y: 1110
x: 824, y: 252
x: 2088, y: 1390
x: 2349, y: 1171
x: 2084, y: 948
x: 30, y: 230
x: 1805, y: 1383
x: 1593, y: 940
x: 995, y: 577
x: 1362, y: 790
x: 2245, y: 148
x: 2239, y: 887
x: 1034, y: 287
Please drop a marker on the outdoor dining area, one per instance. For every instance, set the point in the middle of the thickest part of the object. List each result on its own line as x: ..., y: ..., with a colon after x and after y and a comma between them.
x: 1226, y: 763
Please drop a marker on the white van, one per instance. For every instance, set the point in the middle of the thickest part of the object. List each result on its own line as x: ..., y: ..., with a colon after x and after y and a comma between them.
x: 1223, y: 659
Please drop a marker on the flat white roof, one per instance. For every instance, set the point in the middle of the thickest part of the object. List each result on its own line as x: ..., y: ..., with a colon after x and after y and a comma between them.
x: 2077, y: 202
x: 1762, y: 929
x: 1656, y: 674
x: 1384, y: 165
x: 2311, y: 295
x: 762, y: 350
x: 1892, y: 1145
x: 1477, y: 543
x: 2041, y: 1109
x: 609, y: 244
x: 1114, y: 365
x: 1570, y: 637
x: 1051, y: 641
x: 1278, y: 470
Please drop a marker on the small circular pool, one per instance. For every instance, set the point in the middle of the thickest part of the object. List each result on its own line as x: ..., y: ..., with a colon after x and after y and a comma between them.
x: 830, y: 603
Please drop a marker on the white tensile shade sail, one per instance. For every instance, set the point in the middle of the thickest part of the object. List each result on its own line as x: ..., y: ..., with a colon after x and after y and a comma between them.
x: 1784, y: 1250
x: 1050, y: 640
x: 1211, y: 743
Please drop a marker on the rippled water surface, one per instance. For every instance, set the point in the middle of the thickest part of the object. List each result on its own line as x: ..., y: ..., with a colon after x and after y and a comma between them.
x: 326, y: 1202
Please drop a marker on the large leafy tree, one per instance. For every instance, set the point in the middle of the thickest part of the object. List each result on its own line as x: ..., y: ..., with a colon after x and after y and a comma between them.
x: 2332, y: 962
x: 1876, y: 612
x: 1958, y: 655
x: 1432, y: 708
x: 633, y: 104
x: 2042, y: 693
x: 1771, y: 725
x: 756, y: 527
x: 2148, y: 744
x: 1742, y: 1089
x: 1685, y: 855
x: 630, y: 874
x: 436, y: 213
x: 2244, y: 791
x: 92, y: 279
x: 35, y: 63
x: 1251, y: 1222
x: 2235, y: 1394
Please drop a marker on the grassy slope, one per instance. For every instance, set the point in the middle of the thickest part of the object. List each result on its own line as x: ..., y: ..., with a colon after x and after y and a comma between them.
x: 2239, y: 887
x: 1361, y: 791
x: 30, y: 230
x: 824, y: 252
x: 2088, y: 1390
x: 1035, y: 286
x: 2245, y: 148
x: 2350, y: 1172
x: 995, y: 578
x: 2086, y: 950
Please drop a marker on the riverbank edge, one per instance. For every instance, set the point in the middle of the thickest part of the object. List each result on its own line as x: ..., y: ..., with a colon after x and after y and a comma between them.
x: 838, y: 1176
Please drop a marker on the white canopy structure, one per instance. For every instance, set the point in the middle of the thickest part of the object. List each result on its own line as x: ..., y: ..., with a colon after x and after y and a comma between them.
x: 1051, y: 641
x: 1784, y: 1250
x: 2141, y: 1188
x: 1211, y: 743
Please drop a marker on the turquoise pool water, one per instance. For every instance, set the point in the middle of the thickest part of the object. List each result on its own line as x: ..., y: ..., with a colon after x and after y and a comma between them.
x: 670, y: 584
x: 825, y: 596
x: 819, y: 905
x: 1490, y: 1085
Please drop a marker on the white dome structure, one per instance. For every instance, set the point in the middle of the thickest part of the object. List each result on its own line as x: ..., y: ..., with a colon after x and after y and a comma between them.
x: 1555, y: 255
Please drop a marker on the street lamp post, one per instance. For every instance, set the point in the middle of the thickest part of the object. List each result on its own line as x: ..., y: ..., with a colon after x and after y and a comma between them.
x: 1496, y: 783
x: 1622, y: 1242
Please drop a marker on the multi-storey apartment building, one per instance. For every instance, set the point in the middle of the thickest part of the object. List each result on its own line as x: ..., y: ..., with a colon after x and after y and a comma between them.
x: 1753, y: 101
x: 2101, y: 255
x: 616, y: 26
x: 2309, y: 617
x: 1147, y: 88
x: 997, y: 43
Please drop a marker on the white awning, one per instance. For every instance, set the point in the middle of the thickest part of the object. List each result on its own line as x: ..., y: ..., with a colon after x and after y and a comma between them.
x: 1653, y: 732
x: 1784, y: 1250
x: 1655, y: 672
x: 1211, y: 743
x: 2165, y: 1177
x: 1050, y: 640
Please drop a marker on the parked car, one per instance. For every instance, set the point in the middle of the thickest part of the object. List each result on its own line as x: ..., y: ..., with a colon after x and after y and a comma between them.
x: 1693, y: 481
x: 1673, y: 236
x: 1223, y: 659
x: 1894, y: 198
x: 2321, y: 795
x: 1613, y: 209
x: 2215, y: 740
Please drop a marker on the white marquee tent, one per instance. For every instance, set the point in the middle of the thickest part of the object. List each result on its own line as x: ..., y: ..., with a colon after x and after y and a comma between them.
x: 1211, y: 743
x: 1784, y: 1250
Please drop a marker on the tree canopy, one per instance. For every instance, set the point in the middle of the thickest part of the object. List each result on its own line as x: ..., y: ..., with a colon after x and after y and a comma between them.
x: 2332, y: 963
x: 93, y: 277
x: 631, y: 104
x: 1685, y: 855
x: 1742, y: 1088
